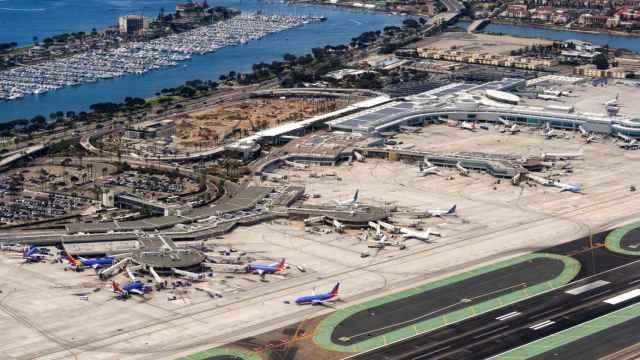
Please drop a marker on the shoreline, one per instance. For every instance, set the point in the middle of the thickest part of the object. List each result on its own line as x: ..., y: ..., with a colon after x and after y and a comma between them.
x: 560, y: 28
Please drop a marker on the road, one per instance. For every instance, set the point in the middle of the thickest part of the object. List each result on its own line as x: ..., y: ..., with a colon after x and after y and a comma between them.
x: 494, y: 332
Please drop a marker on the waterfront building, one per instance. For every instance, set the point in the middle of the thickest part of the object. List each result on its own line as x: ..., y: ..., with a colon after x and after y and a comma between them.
x: 591, y: 70
x: 131, y: 24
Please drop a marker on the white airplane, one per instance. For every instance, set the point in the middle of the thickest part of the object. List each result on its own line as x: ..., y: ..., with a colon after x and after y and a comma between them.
x: 383, y: 242
x: 418, y: 235
x: 359, y: 156
x: 441, y: 212
x: 591, y: 138
x: 468, y: 126
x: 190, y: 275
x: 550, y: 134
x: 463, y: 171
x: 429, y: 170
x: 514, y: 129
x: 540, y: 180
x: 574, y: 188
x: 351, y: 202
x: 338, y: 225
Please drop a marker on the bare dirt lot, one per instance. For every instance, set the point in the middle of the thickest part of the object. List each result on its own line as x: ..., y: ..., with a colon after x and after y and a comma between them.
x: 212, y: 125
x: 481, y: 43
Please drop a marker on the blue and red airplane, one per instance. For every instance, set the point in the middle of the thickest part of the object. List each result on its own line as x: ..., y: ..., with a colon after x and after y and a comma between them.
x: 33, y: 254
x: 133, y: 288
x: 319, y: 299
x: 96, y: 263
x: 263, y: 269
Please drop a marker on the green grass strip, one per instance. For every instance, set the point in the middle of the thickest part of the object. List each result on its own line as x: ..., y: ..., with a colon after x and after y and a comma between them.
x: 572, y: 334
x: 223, y: 351
x: 612, y: 242
x: 326, y: 327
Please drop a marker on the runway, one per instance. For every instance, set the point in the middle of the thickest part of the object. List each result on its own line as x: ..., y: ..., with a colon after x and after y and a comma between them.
x: 409, y: 310
x: 608, y: 336
x: 507, y: 328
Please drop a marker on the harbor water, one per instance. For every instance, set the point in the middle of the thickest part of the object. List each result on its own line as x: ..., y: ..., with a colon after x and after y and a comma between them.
x: 341, y: 26
x: 614, y: 41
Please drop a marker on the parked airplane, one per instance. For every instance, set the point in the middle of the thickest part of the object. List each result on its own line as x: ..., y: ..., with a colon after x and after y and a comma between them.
x: 338, y: 225
x: 429, y: 170
x: 351, y: 202
x: 441, y: 212
x: 514, y: 129
x: 319, y: 299
x: 264, y: 269
x: 590, y: 139
x: 419, y: 235
x: 359, y: 156
x: 32, y: 254
x: 468, y: 126
x: 132, y: 288
x: 12, y: 247
x: 97, y: 263
x: 574, y: 188
x: 382, y: 242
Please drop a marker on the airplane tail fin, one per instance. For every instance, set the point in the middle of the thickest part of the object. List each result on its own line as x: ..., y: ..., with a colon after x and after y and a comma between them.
x: 116, y: 288
x: 73, y: 261
x: 355, y: 196
x: 452, y: 210
x: 281, y: 265
x: 334, y: 291
x: 26, y: 251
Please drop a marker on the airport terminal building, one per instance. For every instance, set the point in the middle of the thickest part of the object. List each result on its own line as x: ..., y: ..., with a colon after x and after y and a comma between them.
x: 488, y: 102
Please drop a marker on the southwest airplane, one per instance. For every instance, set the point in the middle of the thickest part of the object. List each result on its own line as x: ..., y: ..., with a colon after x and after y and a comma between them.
x: 33, y: 254
x: 135, y: 287
x: 319, y: 299
x: 96, y: 263
x: 263, y: 269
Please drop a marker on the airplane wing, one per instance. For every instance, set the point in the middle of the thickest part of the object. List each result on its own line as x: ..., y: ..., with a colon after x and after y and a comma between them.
x: 260, y: 272
x: 136, y: 291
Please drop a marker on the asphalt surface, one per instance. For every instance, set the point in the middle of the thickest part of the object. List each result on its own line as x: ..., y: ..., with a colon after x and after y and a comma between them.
x: 495, y: 332
x: 600, y: 344
x: 631, y: 241
x: 433, y: 303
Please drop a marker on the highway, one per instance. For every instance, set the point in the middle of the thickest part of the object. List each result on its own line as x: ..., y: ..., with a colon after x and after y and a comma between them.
x: 497, y: 331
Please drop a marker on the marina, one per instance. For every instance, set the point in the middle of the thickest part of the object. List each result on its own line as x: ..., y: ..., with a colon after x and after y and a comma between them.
x: 141, y: 57
x: 339, y: 28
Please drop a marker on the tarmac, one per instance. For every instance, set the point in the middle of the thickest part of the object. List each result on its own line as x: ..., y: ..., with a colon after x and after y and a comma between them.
x: 496, y: 222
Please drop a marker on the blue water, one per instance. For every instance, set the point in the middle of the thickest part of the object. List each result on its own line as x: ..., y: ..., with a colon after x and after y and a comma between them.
x: 43, y: 18
x: 627, y: 42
